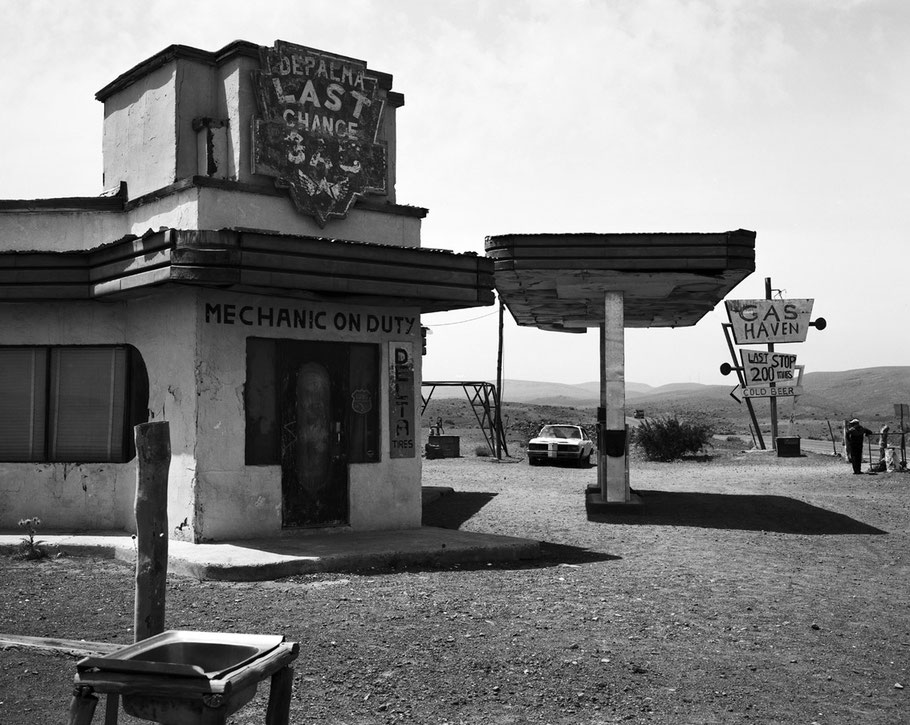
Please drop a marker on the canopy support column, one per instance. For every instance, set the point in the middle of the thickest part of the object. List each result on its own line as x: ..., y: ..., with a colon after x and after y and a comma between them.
x: 612, y: 443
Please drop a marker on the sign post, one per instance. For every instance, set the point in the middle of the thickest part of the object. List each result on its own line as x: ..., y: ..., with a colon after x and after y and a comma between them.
x: 726, y: 369
x: 773, y: 399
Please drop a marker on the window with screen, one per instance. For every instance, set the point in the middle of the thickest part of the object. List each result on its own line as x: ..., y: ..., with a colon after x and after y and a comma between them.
x: 71, y: 404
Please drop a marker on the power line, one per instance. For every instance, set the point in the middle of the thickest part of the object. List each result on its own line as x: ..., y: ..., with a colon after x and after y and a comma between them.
x: 460, y: 322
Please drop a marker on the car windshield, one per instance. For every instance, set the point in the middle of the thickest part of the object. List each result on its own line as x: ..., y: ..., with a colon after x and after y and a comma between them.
x: 560, y: 431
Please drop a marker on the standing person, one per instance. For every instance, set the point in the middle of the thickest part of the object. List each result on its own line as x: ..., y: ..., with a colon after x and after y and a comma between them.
x: 856, y: 435
x: 883, y: 442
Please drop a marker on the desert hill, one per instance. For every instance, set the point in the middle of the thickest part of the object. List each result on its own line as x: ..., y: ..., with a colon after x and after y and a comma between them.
x: 867, y: 393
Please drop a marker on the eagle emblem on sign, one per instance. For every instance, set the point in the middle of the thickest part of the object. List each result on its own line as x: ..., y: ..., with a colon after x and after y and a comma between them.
x: 317, y: 133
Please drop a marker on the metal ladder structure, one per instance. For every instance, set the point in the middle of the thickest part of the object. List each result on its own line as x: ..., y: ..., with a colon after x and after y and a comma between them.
x: 484, y: 400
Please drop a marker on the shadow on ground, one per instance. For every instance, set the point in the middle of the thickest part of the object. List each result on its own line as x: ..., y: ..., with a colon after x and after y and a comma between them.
x: 453, y: 509
x: 733, y: 511
x: 550, y: 555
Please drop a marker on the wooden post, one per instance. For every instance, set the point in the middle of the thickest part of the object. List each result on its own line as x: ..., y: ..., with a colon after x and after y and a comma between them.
x: 153, y: 451
x: 756, y: 430
x: 773, y: 397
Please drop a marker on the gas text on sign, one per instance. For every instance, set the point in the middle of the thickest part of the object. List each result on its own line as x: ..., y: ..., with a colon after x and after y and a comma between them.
x: 769, y: 321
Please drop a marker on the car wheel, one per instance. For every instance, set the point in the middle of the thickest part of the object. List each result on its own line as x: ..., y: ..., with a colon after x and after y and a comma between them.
x: 586, y: 461
x: 533, y: 461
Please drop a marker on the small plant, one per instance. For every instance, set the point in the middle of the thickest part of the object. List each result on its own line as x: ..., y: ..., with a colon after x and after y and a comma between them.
x: 482, y: 451
x: 29, y: 547
x: 666, y: 439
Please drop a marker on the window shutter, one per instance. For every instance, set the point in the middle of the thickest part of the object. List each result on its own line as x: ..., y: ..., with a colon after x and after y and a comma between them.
x: 23, y: 380
x: 88, y: 403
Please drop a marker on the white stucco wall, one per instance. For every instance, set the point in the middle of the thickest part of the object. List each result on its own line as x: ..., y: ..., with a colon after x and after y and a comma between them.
x: 197, y: 373
x: 65, y: 495
x: 239, y: 501
x: 387, y: 495
x: 237, y: 106
x: 162, y: 326
x: 219, y: 209
x: 59, y: 231
x: 195, y: 208
x: 101, y: 496
x: 179, y: 210
x: 139, y: 142
x: 196, y: 93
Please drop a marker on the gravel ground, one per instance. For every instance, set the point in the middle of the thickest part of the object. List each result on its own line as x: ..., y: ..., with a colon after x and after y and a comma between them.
x: 749, y: 589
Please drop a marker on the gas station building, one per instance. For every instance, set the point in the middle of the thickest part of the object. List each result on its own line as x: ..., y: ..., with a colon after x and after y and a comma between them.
x: 248, y: 276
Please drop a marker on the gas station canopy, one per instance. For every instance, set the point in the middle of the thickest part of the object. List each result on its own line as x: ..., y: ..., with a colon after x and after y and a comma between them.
x: 557, y: 281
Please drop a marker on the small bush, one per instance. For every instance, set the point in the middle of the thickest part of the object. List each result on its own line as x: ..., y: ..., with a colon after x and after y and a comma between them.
x: 666, y: 439
x: 482, y: 451
x: 29, y: 546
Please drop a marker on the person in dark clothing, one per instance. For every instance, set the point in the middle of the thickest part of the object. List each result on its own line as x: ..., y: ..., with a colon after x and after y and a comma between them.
x: 856, y: 436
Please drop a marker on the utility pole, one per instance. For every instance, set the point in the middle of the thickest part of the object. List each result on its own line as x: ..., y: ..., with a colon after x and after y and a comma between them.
x: 497, y: 422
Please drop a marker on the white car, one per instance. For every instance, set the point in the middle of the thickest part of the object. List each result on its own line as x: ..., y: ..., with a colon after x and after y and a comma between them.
x: 561, y: 443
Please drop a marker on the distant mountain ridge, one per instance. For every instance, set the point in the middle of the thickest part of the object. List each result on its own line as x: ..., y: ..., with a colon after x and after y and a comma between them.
x: 865, y: 392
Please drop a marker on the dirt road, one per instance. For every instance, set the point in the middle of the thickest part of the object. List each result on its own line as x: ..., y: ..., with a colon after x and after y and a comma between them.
x: 749, y: 589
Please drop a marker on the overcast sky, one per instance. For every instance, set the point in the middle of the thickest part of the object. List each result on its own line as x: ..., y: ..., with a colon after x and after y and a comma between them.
x: 791, y: 119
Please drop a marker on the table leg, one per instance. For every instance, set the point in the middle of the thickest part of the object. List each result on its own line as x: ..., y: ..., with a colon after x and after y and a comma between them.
x: 82, y: 706
x: 279, y: 709
x: 111, y: 709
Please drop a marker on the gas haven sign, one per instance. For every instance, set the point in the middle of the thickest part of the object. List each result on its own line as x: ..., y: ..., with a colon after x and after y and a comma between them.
x: 767, y: 374
x: 768, y: 321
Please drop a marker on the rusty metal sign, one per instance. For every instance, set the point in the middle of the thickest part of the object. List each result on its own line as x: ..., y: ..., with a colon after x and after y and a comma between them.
x: 769, y: 321
x: 317, y: 134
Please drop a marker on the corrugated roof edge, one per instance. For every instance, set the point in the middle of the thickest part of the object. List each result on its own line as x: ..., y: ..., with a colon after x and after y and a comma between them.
x: 592, y: 235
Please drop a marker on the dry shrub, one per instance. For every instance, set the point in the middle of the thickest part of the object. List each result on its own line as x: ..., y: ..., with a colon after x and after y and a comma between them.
x: 667, y: 439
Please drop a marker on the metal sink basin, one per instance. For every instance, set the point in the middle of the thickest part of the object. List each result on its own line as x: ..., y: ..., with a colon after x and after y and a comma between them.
x: 185, y: 654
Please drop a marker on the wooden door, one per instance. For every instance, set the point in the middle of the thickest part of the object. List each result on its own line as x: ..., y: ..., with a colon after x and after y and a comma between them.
x: 313, y: 458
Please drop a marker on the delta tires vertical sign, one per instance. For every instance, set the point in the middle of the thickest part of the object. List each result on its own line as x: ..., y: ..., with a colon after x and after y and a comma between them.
x: 317, y: 134
x: 402, y: 406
